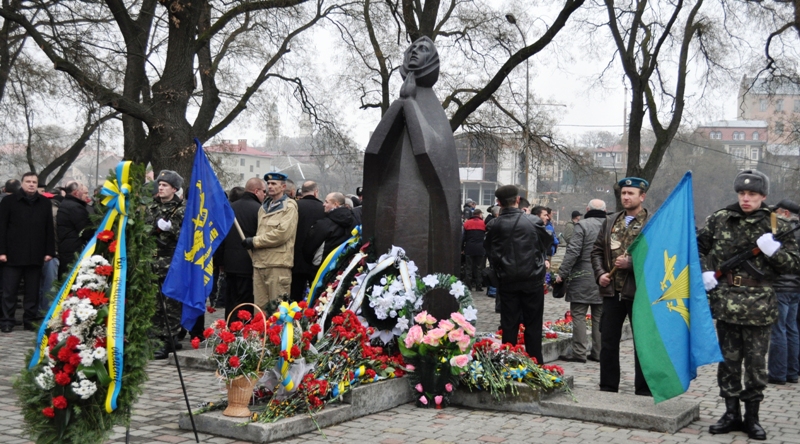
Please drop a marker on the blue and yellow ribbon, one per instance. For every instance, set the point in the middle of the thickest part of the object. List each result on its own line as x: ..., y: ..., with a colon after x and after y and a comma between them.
x: 331, y: 262
x: 285, y: 316
x: 116, y: 192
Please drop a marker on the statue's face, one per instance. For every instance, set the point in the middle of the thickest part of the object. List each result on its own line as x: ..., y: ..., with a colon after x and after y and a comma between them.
x: 419, y: 54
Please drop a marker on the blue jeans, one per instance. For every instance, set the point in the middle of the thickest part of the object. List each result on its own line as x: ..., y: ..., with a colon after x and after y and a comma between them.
x: 49, y: 273
x: 785, y: 340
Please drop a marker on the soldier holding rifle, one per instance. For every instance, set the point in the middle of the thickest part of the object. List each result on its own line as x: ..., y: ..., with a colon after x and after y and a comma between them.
x: 743, y: 248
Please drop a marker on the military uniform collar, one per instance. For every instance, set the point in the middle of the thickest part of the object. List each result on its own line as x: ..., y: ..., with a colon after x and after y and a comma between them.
x: 274, y: 205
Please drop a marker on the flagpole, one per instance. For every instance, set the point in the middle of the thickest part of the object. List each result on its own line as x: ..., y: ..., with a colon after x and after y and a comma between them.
x: 241, y: 234
x: 177, y: 364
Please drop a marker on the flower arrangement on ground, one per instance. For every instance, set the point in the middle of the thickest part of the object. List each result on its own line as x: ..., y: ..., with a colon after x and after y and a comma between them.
x: 73, y: 390
x: 496, y: 367
x: 439, y: 351
x: 237, y: 347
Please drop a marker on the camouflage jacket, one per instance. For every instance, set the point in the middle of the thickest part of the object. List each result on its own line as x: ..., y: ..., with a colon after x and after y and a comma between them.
x: 728, y: 232
x: 166, y: 241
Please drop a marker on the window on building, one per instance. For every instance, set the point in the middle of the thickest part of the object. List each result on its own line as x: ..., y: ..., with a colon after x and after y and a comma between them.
x: 755, y: 135
x: 754, y: 154
x: 488, y: 195
x: 779, y: 105
x: 241, y: 176
x: 251, y: 168
x: 762, y: 104
x: 779, y: 128
x: 258, y: 164
x: 241, y: 162
x: 797, y: 106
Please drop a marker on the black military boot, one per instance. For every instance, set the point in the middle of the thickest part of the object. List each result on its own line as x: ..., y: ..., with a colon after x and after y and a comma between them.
x: 731, y: 420
x: 751, y: 425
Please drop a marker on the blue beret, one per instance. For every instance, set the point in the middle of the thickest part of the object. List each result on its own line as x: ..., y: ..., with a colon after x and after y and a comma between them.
x: 275, y: 176
x: 636, y: 182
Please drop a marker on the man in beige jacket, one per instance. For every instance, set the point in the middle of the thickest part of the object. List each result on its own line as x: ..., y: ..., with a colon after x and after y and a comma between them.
x: 273, y: 244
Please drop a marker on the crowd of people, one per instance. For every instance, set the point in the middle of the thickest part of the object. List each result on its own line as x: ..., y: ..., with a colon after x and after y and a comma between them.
x: 755, y: 313
x: 284, y: 232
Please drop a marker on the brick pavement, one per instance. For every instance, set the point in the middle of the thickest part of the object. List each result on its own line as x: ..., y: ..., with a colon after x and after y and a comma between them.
x: 155, y: 416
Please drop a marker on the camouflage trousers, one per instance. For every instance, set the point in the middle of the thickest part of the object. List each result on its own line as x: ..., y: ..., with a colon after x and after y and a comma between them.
x: 742, y: 343
x: 174, y: 312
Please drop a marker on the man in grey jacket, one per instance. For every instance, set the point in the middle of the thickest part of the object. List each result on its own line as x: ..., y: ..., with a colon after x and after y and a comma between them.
x: 581, y: 290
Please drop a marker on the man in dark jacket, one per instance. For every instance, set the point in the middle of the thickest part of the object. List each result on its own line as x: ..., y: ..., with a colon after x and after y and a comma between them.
x: 613, y: 271
x: 581, y: 290
x: 309, y: 210
x: 516, y: 244
x: 474, y: 233
x: 234, y: 259
x: 71, y: 223
x: 27, y: 241
x: 329, y: 232
x: 11, y: 187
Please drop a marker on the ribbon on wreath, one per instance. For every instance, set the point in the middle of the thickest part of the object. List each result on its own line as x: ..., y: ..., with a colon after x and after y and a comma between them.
x: 116, y: 194
x: 285, y: 316
x: 330, y: 263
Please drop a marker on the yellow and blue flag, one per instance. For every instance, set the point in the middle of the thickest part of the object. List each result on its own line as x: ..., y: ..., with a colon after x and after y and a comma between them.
x: 207, y: 220
x: 672, y: 325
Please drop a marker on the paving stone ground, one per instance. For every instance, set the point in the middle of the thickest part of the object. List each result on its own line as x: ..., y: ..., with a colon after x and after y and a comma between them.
x: 155, y: 417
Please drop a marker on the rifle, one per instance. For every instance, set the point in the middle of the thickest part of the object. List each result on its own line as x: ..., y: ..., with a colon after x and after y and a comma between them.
x: 743, y: 257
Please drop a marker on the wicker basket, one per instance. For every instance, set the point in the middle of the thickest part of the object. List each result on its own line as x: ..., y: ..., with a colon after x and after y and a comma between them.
x: 240, y: 389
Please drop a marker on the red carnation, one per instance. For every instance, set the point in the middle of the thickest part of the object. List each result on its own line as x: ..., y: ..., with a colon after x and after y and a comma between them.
x: 75, y: 359
x: 310, y: 313
x: 65, y: 315
x: 112, y: 247
x: 49, y: 412
x: 64, y: 354
x: 211, y: 309
x: 298, y: 315
x: 53, y: 340
x: 62, y: 378
x: 302, y: 304
x: 208, y: 332
x: 315, y: 329
x: 227, y: 336
x: 234, y: 361
x: 295, y: 351
x: 221, y: 349
x: 236, y: 326
x: 100, y: 343
x: 73, y: 341
x: 105, y: 235
x: 103, y: 270
x: 195, y: 343
x: 69, y: 369
x: 244, y: 315
x: 83, y: 293
x: 60, y: 402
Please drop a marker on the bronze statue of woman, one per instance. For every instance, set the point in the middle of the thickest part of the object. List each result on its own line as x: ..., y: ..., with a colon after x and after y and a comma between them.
x: 411, y: 184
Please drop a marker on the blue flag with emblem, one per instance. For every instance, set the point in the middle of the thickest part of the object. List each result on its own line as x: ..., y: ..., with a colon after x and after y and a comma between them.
x: 673, y: 330
x: 207, y: 220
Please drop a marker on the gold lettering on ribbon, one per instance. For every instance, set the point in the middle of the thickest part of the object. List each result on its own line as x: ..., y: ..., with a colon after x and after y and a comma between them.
x: 200, y: 253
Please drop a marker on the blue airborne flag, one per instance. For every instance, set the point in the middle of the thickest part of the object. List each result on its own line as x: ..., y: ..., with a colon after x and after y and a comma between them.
x: 672, y: 325
x: 208, y: 218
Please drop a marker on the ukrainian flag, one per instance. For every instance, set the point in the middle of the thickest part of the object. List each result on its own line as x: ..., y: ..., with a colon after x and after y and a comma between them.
x: 206, y: 222
x: 672, y: 325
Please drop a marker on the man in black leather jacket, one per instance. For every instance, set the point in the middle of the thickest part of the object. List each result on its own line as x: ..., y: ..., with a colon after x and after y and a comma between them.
x: 516, y: 244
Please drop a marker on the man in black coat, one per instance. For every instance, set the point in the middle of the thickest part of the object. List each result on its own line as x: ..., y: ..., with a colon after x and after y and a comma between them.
x: 309, y: 210
x: 27, y: 241
x: 71, y: 225
x: 516, y: 245
x: 233, y: 258
x: 329, y: 232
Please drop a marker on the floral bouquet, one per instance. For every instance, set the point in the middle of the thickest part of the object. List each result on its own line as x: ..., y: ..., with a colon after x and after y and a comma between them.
x: 439, y: 353
x: 237, y: 347
x: 496, y: 367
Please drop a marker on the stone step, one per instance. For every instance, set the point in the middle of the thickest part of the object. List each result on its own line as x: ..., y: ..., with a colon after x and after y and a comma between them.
x: 622, y: 410
x: 527, y: 399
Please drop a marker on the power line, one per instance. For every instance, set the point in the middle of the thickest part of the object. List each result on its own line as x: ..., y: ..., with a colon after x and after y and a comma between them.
x: 796, y: 169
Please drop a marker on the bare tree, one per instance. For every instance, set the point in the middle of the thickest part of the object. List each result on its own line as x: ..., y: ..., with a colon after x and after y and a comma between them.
x: 159, y: 66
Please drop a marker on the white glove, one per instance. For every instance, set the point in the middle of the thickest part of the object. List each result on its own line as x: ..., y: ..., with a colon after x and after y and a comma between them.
x: 164, y: 225
x: 709, y: 281
x: 768, y: 244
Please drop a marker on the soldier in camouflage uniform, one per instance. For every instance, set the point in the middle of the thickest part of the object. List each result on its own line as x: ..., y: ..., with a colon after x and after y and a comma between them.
x: 744, y: 304
x: 165, y: 216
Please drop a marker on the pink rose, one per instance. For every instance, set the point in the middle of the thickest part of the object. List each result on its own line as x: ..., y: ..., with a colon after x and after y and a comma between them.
x: 437, y: 399
x: 414, y: 336
x: 464, y: 342
x: 418, y: 388
x: 459, y: 319
x: 448, y: 387
x: 423, y: 400
x: 437, y: 333
x: 455, y: 335
x: 446, y: 325
x: 410, y: 368
x: 430, y: 340
x: 460, y: 361
x: 420, y: 318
